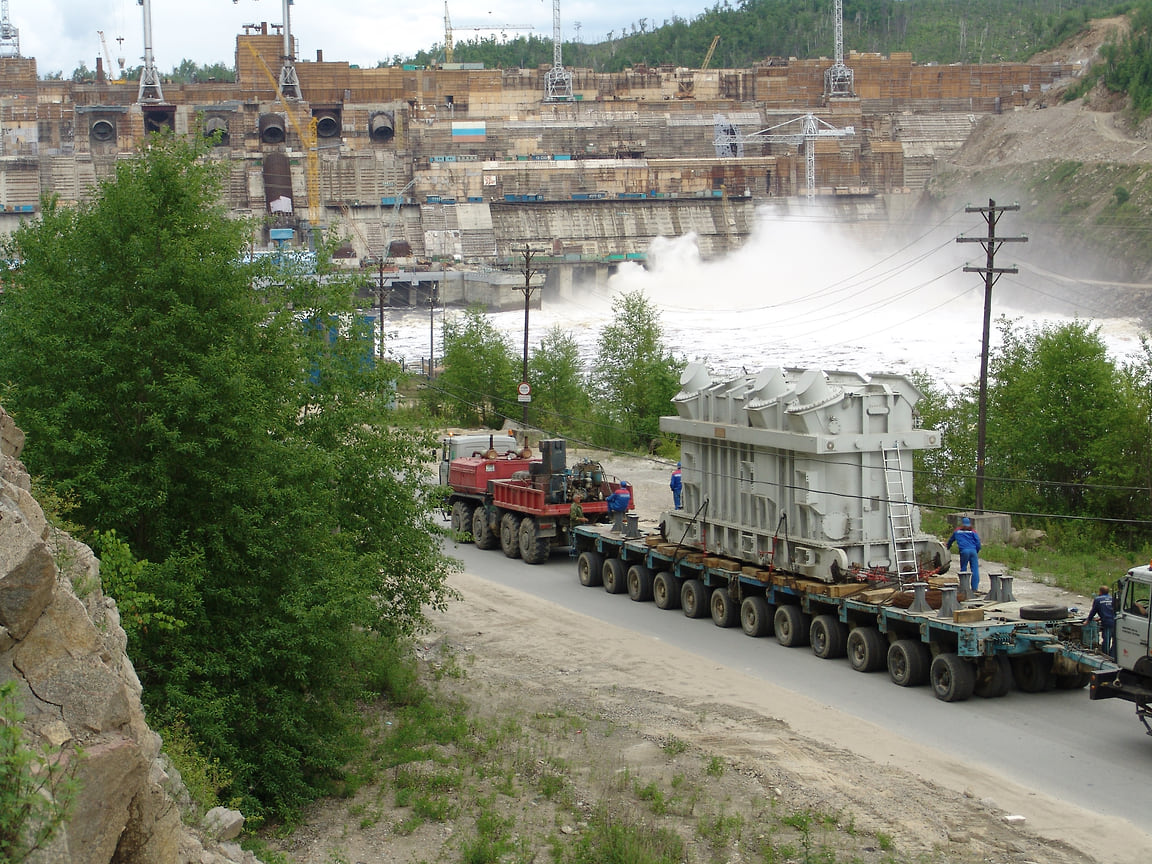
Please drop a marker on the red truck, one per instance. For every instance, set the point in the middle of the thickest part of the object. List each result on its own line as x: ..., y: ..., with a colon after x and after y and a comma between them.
x: 522, y: 503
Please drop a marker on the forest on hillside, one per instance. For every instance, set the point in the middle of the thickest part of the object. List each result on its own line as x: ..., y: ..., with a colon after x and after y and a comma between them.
x: 749, y: 31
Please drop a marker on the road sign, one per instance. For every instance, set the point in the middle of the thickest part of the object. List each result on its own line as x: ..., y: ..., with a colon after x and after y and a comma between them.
x: 524, y: 392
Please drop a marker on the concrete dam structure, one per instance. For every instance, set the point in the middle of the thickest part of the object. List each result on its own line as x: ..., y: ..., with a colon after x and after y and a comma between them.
x: 438, y: 177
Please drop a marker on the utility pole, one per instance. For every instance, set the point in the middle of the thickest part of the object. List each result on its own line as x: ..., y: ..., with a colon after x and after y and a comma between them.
x: 992, y: 274
x: 433, y: 296
x: 380, y: 298
x: 524, y: 391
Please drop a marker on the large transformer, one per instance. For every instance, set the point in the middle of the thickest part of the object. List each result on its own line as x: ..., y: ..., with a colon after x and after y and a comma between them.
x: 804, y: 471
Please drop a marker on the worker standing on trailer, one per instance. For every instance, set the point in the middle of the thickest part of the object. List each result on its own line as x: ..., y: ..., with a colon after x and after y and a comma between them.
x: 1103, y: 609
x: 676, y: 484
x: 968, y: 543
x: 618, y: 502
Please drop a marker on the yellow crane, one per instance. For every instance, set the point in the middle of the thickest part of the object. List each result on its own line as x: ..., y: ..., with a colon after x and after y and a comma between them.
x: 307, y: 134
x: 711, y: 51
x: 449, y: 41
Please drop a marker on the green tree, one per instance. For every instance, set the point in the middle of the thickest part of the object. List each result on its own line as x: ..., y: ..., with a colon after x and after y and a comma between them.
x: 560, y: 400
x: 37, y: 787
x: 944, y: 476
x: 481, y: 370
x: 635, y: 376
x: 245, y: 446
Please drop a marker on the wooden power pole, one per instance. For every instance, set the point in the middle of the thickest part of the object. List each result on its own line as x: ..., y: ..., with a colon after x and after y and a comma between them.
x: 992, y: 273
x: 524, y: 391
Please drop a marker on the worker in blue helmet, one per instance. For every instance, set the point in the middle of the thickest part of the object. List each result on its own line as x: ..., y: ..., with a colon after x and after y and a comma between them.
x: 676, y: 484
x: 968, y: 543
x: 618, y: 503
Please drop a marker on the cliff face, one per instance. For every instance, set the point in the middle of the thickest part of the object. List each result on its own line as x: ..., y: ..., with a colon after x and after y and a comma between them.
x: 62, y: 643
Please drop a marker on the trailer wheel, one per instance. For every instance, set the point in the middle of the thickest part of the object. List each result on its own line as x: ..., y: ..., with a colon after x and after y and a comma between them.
x: 534, y: 549
x: 456, y: 520
x: 639, y: 583
x: 791, y: 626
x: 993, y: 677
x: 953, y: 678
x: 828, y: 637
x: 510, y: 535
x: 482, y: 534
x: 1033, y: 672
x: 867, y: 650
x: 725, y: 612
x: 613, y: 575
x: 1076, y: 681
x: 1043, y: 612
x: 588, y: 569
x: 665, y: 590
x: 756, y: 616
x: 694, y: 598
x: 908, y: 662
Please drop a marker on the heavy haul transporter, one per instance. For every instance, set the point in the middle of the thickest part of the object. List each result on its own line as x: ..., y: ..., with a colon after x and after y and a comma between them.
x: 797, y: 522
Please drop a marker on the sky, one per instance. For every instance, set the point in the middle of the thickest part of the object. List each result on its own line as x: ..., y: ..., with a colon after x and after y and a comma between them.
x: 62, y: 33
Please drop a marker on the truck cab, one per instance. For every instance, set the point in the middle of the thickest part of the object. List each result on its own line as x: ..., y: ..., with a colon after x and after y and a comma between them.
x: 456, y: 445
x: 1133, y: 624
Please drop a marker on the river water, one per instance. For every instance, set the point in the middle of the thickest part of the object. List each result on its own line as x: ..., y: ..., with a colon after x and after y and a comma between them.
x: 808, y: 293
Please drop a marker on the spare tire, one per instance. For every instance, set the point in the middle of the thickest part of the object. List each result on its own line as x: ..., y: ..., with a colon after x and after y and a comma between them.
x: 1044, y: 612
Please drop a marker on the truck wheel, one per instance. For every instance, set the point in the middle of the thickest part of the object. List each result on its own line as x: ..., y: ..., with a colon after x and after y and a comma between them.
x: 1043, y: 612
x: 725, y: 612
x: 613, y: 574
x: 908, y: 662
x: 1033, y: 672
x: 953, y: 678
x: 533, y: 548
x: 665, y: 590
x: 993, y: 677
x: 791, y: 626
x: 694, y: 598
x: 510, y: 535
x: 828, y: 637
x: 1076, y: 681
x: 454, y: 521
x: 867, y: 650
x: 756, y: 617
x: 588, y: 567
x: 482, y: 534
x: 639, y: 580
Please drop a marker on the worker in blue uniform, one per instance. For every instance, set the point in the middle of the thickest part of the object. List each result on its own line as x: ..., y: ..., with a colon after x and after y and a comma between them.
x: 1103, y: 609
x: 618, y: 503
x: 968, y: 544
x: 676, y: 484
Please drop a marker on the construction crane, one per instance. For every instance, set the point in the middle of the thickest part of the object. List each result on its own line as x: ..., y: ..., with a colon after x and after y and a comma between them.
x: 557, y: 80
x: 729, y: 140
x: 150, y: 89
x: 9, y: 35
x: 711, y: 51
x: 108, y: 58
x: 449, y: 30
x: 838, y: 78
x: 307, y: 134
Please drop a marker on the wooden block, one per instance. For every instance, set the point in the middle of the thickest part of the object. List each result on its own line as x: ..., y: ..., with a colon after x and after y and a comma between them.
x: 876, y: 595
x: 846, y: 589
x: 670, y: 549
x: 757, y: 574
x: 968, y: 616
x: 653, y: 540
x: 694, y: 558
x: 943, y: 581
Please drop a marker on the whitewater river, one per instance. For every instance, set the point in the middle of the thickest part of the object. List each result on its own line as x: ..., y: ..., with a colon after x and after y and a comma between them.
x: 807, y: 294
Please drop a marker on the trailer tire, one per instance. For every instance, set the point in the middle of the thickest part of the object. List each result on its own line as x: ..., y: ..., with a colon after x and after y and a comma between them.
x: 756, y: 617
x: 725, y: 612
x: 1075, y: 681
x: 694, y: 598
x: 953, y: 678
x: 588, y: 569
x: 828, y: 637
x: 482, y: 534
x: 510, y: 535
x: 460, y: 521
x: 639, y: 580
x: 613, y: 575
x: 993, y: 677
x: 791, y: 626
x: 534, y: 549
x: 1033, y: 672
x: 665, y: 590
x: 908, y: 661
x: 867, y: 650
x: 1043, y: 612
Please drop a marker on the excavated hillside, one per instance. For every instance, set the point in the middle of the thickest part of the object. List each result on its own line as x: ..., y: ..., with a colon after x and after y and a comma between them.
x: 1081, y: 172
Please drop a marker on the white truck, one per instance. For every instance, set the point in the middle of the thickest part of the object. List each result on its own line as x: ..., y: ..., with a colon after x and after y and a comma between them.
x: 1132, y: 682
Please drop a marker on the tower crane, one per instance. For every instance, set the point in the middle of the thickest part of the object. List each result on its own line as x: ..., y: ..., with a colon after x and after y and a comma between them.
x: 557, y: 80
x: 150, y: 89
x: 449, y: 31
x: 9, y: 35
x: 729, y: 140
x: 838, y: 78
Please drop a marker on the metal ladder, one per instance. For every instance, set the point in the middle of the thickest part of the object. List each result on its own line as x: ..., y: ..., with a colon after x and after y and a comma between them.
x: 900, y: 517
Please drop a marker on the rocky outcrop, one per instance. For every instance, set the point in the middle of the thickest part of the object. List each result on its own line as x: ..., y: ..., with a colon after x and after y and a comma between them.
x: 62, y: 643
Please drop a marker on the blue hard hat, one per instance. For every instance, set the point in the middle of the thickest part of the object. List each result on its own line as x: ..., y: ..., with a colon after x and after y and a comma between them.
x: 623, y: 482
x: 677, y: 464
x: 966, y: 522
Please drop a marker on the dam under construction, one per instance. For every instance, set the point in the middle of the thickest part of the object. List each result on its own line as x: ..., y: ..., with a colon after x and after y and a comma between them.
x: 437, y: 179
